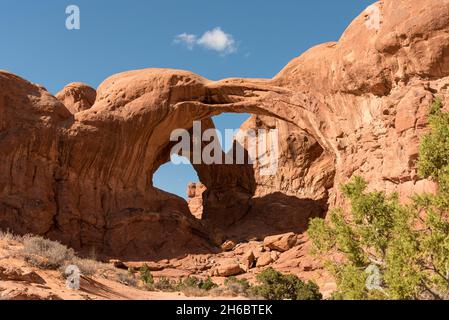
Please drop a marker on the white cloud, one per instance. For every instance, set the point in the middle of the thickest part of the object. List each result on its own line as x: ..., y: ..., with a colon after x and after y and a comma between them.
x: 218, y: 40
x: 188, y: 39
x: 215, y: 39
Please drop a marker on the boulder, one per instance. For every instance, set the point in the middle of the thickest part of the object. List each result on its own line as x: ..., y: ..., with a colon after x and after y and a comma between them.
x: 248, y: 260
x: 118, y: 264
x: 264, y: 260
x: 281, y: 242
x: 229, y: 268
x: 228, y: 245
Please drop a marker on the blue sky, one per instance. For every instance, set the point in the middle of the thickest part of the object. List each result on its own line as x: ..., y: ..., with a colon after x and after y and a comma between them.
x: 121, y: 35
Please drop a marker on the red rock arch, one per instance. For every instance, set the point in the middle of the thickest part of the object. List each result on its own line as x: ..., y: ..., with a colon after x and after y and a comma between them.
x: 128, y: 130
x: 85, y: 178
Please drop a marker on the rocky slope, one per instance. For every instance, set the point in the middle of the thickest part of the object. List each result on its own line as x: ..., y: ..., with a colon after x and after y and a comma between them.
x: 78, y: 167
x: 20, y: 280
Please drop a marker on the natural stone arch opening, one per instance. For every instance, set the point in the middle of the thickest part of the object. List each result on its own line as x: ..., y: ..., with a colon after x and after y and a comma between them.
x: 174, y: 176
x: 239, y: 203
x: 178, y: 176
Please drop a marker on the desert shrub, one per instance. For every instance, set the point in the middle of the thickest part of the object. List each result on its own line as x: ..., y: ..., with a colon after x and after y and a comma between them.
x: 189, y: 282
x: 127, y: 278
x: 164, y: 284
x: 207, y: 284
x: 434, y: 152
x: 389, y: 250
x: 146, y: 276
x: 45, y: 254
x: 274, y: 285
x: 194, y: 286
x: 238, y: 287
x: 218, y: 292
x: 194, y: 292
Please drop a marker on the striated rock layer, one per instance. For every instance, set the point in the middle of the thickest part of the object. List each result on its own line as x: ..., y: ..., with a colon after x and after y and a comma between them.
x: 79, y: 167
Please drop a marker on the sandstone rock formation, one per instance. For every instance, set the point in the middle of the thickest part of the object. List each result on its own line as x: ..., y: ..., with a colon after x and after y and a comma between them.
x: 228, y: 268
x: 248, y: 260
x: 264, y: 260
x: 195, y: 198
x: 228, y: 245
x: 77, y: 97
x: 81, y: 171
x: 281, y: 243
x: 19, y: 276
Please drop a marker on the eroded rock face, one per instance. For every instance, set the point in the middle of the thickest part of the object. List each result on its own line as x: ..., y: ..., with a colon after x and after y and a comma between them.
x: 81, y: 172
x: 372, y: 90
x: 77, y: 97
x: 30, y: 124
x: 297, y: 191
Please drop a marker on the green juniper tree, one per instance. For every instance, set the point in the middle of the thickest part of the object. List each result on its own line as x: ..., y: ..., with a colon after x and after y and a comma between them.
x: 381, y: 249
x: 274, y: 285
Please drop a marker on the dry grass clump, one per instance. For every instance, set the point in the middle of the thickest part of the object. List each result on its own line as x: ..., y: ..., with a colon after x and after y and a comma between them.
x: 237, y: 287
x: 165, y: 285
x: 127, y: 278
x: 45, y: 254
x: 52, y: 255
x: 89, y: 267
x: 7, y: 238
x: 195, y: 292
